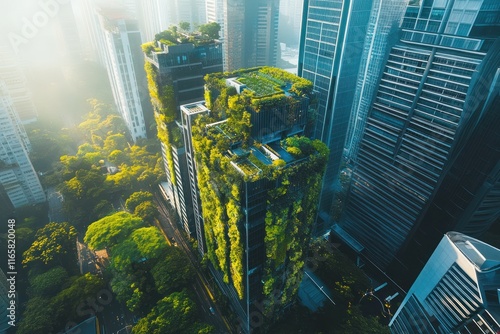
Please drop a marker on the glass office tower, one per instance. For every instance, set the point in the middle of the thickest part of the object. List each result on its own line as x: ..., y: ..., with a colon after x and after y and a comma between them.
x: 331, y: 46
x: 436, y: 89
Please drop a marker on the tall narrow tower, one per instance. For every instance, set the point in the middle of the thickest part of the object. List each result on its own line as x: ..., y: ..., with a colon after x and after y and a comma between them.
x: 175, y: 69
x: 331, y: 47
x: 18, y: 178
x: 124, y: 63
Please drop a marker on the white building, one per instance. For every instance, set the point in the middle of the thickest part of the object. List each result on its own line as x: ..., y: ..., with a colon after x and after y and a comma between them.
x: 15, y: 80
x: 124, y: 64
x: 18, y: 178
x: 458, y: 291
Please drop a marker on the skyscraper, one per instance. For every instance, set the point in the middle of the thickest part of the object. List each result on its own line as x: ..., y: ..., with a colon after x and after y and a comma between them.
x: 124, y: 64
x: 331, y: 46
x: 18, y: 178
x: 259, y: 180
x: 250, y: 35
x: 175, y: 70
x: 456, y: 292
x: 429, y: 117
x: 382, y: 33
x: 15, y: 80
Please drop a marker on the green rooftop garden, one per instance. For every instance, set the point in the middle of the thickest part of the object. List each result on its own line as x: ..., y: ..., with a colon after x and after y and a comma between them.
x: 174, y: 35
x: 262, y: 84
x: 267, y: 87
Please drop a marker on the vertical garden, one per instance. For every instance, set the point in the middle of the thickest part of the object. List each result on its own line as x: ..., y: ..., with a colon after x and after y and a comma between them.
x: 228, y: 159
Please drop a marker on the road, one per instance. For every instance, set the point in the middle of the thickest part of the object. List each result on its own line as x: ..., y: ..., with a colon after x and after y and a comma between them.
x: 113, y: 316
x: 200, y: 286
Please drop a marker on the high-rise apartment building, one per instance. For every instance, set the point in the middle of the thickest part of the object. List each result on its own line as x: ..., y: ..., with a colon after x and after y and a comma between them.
x: 124, y: 64
x: 456, y: 292
x: 15, y: 80
x: 175, y: 69
x: 259, y: 181
x: 414, y: 177
x: 18, y: 178
x: 331, y: 46
x: 250, y: 34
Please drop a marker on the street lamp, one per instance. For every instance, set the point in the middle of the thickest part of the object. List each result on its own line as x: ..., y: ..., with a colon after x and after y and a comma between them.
x: 126, y: 327
x: 384, y: 312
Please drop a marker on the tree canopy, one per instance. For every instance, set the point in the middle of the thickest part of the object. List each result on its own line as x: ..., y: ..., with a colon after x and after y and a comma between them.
x: 137, y: 198
x: 175, y: 313
x: 54, y: 244
x: 111, y: 230
x: 171, y: 273
x: 210, y: 29
x: 141, y: 245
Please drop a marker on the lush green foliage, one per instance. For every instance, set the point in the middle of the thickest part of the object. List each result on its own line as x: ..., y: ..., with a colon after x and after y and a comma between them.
x: 267, y: 85
x: 165, y: 106
x: 49, y: 283
x: 291, y: 206
x: 171, y: 273
x: 111, y: 230
x: 137, y: 198
x: 85, y: 187
x: 147, y: 211
x: 176, y: 313
x: 46, y: 147
x: 141, y: 245
x: 51, y: 314
x: 210, y: 29
x: 55, y: 244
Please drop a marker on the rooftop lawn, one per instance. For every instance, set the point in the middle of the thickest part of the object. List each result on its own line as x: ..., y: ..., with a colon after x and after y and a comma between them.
x: 262, y: 84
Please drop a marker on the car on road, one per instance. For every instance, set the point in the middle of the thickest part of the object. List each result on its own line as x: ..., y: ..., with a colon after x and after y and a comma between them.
x: 212, y: 310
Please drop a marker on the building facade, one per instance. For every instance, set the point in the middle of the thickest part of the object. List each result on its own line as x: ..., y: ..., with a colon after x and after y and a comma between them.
x: 382, y: 33
x: 124, y: 64
x: 434, y: 96
x: 175, y: 76
x: 456, y: 292
x: 331, y: 46
x: 18, y: 178
x: 250, y: 33
x: 15, y: 80
x: 259, y: 180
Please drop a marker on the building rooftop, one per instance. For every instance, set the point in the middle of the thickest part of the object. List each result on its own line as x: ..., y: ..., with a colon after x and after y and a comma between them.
x: 484, y: 257
x: 194, y: 108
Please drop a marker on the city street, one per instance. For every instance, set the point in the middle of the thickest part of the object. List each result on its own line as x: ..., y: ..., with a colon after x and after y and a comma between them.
x: 200, y: 286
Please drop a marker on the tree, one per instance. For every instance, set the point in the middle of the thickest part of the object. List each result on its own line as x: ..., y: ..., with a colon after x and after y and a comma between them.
x: 118, y: 157
x: 54, y: 244
x: 111, y: 230
x: 171, y: 273
x: 147, y: 211
x: 210, y: 29
x: 175, y: 313
x: 37, y: 317
x: 143, y: 244
x: 49, y: 283
x: 137, y: 198
x: 357, y: 323
x: 82, y: 193
x: 184, y: 26
x: 73, y: 302
x: 115, y: 141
